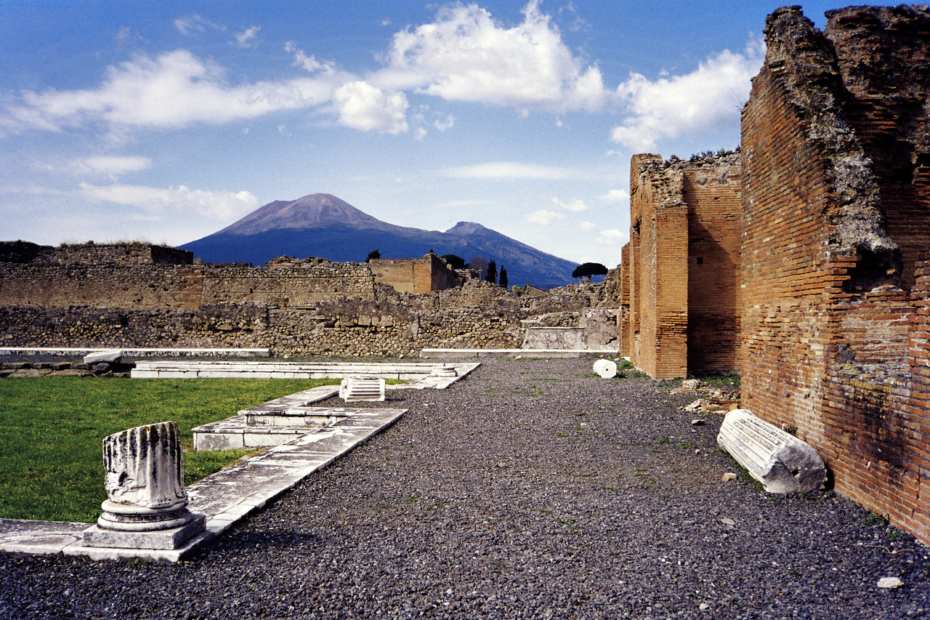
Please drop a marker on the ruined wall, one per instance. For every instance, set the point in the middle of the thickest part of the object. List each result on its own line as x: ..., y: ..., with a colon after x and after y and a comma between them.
x: 683, y: 266
x: 831, y: 335
x: 659, y: 218
x: 625, y: 327
x: 418, y: 275
x: 478, y: 315
x: 712, y: 190
x: 288, y: 283
x: 145, y: 286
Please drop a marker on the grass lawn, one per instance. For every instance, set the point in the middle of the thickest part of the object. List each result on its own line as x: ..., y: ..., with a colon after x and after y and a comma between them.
x: 52, y: 430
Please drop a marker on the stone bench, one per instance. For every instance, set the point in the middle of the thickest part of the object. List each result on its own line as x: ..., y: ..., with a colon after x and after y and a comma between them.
x: 781, y: 462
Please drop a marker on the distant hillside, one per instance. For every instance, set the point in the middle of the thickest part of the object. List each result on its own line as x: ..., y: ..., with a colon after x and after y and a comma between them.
x: 324, y: 226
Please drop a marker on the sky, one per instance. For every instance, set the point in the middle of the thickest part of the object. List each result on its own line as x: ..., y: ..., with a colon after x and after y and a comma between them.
x: 167, y: 121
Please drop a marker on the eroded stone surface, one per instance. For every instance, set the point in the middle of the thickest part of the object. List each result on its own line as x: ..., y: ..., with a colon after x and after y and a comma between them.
x: 781, y: 462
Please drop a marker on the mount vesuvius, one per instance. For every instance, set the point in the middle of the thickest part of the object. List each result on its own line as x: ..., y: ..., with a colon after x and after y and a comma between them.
x: 327, y: 227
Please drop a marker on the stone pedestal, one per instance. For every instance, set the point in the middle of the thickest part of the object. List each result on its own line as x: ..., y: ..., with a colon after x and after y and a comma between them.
x: 362, y: 388
x: 147, y: 505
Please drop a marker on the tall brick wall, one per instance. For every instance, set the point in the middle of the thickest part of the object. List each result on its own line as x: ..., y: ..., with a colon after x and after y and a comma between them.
x: 682, y: 266
x: 833, y: 340
x: 712, y: 191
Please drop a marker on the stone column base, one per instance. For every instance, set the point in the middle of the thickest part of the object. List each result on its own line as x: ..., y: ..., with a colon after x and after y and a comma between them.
x: 173, y: 538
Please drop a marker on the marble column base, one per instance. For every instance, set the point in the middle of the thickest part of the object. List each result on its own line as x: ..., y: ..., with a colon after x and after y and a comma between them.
x: 173, y: 538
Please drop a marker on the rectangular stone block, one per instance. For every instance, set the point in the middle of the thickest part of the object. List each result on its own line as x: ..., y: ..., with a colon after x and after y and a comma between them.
x: 162, y: 539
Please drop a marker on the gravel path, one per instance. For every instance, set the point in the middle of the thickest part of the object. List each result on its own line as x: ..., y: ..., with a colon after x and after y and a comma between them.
x: 532, y: 489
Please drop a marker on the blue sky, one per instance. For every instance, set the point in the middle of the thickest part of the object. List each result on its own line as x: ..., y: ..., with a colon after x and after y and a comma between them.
x: 166, y: 121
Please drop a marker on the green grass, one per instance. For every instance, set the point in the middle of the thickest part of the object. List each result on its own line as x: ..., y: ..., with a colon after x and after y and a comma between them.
x: 52, y: 429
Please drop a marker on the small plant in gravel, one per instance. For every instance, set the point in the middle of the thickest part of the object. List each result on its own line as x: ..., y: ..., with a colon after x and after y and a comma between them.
x: 560, y: 434
x: 893, y: 533
x: 664, y: 441
x: 874, y: 518
x: 685, y: 445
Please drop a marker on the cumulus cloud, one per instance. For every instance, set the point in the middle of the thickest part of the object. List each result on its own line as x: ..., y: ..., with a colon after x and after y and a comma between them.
x: 245, y: 38
x: 362, y: 106
x: 465, y: 55
x: 576, y: 206
x: 613, y: 236
x: 587, y: 227
x: 172, y: 90
x: 223, y: 206
x: 513, y: 170
x: 615, y: 195
x: 110, y: 165
x: 543, y: 217
x: 707, y: 99
x: 308, y: 63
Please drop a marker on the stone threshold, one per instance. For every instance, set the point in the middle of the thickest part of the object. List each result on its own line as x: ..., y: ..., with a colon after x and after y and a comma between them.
x: 130, y: 352
x: 452, y: 354
x: 225, y: 497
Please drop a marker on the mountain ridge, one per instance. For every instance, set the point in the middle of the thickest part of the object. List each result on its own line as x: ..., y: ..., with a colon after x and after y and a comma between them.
x: 325, y: 226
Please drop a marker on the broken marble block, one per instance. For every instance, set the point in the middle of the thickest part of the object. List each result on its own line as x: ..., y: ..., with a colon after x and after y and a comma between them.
x: 110, y: 356
x: 361, y: 388
x: 605, y: 368
x: 781, y: 462
x: 147, y: 504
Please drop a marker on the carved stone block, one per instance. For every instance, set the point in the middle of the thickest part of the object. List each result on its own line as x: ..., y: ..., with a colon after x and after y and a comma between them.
x: 361, y: 388
x: 781, y: 462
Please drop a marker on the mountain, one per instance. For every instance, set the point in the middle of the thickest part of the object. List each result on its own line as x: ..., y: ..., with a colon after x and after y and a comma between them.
x: 325, y: 226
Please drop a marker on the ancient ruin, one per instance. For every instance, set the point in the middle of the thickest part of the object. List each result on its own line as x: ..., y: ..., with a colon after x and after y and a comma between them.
x: 143, y: 296
x: 828, y: 286
x: 680, y: 270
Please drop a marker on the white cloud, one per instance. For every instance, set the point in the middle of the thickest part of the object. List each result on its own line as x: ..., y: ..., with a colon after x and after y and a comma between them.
x: 615, y: 195
x: 308, y: 63
x: 112, y: 166
x: 464, y: 55
x: 587, y: 227
x: 195, y: 23
x: 173, y: 90
x: 543, y: 217
x: 513, y: 170
x: 244, y: 39
x: 613, y: 236
x: 707, y: 99
x: 420, y: 133
x: 446, y: 124
x: 362, y: 106
x: 574, y: 207
x: 223, y: 206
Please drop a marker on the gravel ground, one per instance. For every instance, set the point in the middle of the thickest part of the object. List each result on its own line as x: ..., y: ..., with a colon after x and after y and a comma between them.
x: 531, y: 489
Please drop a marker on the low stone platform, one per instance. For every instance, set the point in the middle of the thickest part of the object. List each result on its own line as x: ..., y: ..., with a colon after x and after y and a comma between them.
x: 225, y: 497
x: 455, y: 354
x: 420, y: 375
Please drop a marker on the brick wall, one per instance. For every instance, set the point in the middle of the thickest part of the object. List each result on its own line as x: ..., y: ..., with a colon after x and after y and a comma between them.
x: 712, y: 191
x: 683, y: 266
x: 834, y: 292
x: 417, y: 275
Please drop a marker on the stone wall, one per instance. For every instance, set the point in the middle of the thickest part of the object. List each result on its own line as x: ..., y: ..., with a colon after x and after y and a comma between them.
x: 834, y: 287
x: 478, y: 315
x: 418, y: 275
x: 680, y: 272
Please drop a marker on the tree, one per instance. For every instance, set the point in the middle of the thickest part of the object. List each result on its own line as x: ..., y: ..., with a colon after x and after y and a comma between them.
x: 586, y: 270
x: 480, y: 265
x: 373, y: 255
x: 503, y: 277
x: 492, y: 272
x: 456, y: 262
